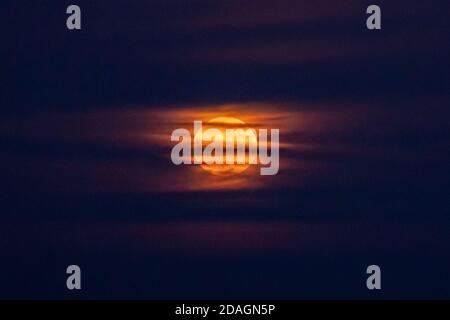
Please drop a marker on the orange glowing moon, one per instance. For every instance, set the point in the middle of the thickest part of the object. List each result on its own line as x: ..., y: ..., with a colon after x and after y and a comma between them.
x: 222, y: 123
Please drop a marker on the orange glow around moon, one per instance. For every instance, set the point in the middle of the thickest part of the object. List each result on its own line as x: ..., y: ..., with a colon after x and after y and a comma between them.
x: 222, y: 123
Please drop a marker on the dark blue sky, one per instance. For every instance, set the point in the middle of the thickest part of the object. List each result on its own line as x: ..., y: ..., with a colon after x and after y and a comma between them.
x: 85, y: 176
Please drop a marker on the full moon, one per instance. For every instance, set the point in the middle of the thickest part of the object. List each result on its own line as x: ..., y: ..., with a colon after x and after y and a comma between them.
x: 223, y: 123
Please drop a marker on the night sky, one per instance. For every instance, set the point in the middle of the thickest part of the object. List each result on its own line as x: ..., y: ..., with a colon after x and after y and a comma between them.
x: 86, y: 179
